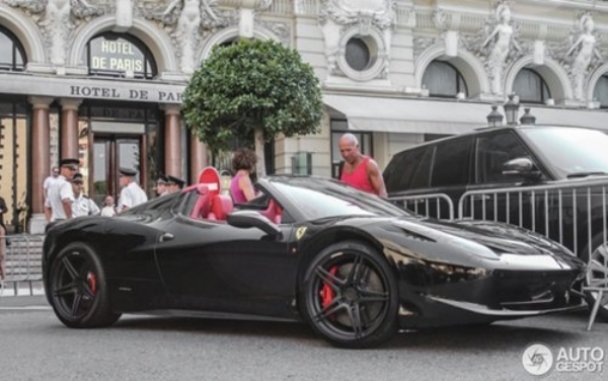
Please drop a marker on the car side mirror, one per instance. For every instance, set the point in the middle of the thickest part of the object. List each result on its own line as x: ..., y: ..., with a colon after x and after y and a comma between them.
x: 523, y: 167
x: 251, y: 219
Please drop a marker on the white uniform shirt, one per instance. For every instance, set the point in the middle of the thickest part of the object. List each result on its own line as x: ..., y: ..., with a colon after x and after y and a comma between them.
x: 46, y: 186
x: 108, y: 211
x: 84, y: 206
x: 130, y: 196
x: 60, y: 190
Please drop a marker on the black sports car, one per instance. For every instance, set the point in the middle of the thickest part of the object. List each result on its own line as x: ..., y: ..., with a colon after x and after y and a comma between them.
x: 352, y: 265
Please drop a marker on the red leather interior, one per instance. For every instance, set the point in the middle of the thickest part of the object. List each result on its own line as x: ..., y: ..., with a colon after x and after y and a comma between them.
x: 273, y: 212
x: 202, y: 207
x: 221, y: 206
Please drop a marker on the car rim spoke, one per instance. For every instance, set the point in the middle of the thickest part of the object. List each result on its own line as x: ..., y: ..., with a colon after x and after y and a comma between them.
x: 69, y: 267
x: 599, y: 267
x: 335, y: 306
x: 369, y: 296
x: 65, y: 290
x: 87, y: 290
x: 354, y: 313
x: 76, y: 303
x: 328, y: 278
x: 356, y: 271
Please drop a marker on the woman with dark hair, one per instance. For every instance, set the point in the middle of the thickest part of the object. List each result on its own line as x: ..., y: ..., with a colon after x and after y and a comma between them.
x: 243, y: 165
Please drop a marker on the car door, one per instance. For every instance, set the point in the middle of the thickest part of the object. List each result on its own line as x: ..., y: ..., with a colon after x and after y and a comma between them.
x: 210, y: 265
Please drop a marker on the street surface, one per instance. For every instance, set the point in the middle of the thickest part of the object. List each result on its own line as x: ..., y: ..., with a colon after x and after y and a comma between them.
x: 34, y: 345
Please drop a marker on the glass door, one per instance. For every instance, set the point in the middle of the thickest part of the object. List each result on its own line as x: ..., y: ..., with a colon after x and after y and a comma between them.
x: 110, y: 153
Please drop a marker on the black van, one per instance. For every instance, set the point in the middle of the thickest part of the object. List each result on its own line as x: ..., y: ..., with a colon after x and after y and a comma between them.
x: 549, y: 179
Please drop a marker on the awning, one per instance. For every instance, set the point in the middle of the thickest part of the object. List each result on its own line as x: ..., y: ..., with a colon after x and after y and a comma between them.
x: 401, y: 115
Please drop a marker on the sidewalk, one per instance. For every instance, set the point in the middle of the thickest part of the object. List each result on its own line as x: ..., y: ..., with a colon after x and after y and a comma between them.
x: 23, y: 289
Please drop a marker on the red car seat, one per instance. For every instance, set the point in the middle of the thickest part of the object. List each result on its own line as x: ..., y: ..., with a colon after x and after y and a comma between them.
x: 202, y: 207
x: 273, y: 212
x: 221, y: 206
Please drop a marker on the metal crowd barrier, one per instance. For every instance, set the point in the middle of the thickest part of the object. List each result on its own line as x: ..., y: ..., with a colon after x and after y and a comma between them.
x: 436, y: 205
x: 23, y: 262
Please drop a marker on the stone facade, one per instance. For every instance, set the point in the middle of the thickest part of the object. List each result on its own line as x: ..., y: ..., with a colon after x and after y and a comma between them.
x: 488, y: 42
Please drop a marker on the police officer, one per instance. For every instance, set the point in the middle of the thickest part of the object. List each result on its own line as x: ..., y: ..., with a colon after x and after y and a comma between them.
x: 82, y: 206
x: 61, y: 194
x: 161, y: 185
x: 175, y: 184
x: 131, y: 194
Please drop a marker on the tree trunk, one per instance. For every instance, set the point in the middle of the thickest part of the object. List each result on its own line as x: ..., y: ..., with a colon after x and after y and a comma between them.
x: 258, y: 137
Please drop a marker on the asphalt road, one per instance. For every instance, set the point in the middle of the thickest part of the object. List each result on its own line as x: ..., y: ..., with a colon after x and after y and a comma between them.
x: 34, y: 345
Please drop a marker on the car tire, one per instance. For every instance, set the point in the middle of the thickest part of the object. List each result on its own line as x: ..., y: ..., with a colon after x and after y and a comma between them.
x: 595, y: 276
x: 349, y: 296
x: 78, y: 288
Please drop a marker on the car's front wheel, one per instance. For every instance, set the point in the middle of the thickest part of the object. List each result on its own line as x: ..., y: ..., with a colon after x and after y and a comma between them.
x: 78, y: 288
x: 349, y: 295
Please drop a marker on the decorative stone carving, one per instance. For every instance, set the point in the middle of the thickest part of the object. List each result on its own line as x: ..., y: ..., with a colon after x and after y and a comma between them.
x: 581, y: 54
x: 58, y: 21
x: 421, y: 43
x: 499, y: 43
x: 368, y: 18
x: 279, y: 29
x: 184, y: 19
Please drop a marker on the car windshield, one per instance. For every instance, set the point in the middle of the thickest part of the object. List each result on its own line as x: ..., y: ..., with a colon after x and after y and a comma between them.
x: 570, y: 151
x: 323, y: 198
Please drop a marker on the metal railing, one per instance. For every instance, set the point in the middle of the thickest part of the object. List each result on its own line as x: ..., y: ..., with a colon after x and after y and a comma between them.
x: 573, y: 213
x: 23, y: 263
x: 435, y: 205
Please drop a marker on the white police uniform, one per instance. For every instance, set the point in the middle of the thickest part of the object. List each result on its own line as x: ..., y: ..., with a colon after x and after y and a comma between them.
x: 84, y: 206
x: 130, y: 196
x: 60, y: 190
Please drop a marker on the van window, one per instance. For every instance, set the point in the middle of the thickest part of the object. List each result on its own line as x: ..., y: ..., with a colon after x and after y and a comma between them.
x: 493, y: 151
x: 452, y: 162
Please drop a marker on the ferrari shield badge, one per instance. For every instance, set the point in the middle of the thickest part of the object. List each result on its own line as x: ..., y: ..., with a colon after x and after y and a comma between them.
x: 300, y: 232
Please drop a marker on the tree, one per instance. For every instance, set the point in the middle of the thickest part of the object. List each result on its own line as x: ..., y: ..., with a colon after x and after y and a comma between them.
x: 254, y: 89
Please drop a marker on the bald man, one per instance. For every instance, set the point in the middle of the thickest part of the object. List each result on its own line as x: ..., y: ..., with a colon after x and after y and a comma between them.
x: 360, y: 171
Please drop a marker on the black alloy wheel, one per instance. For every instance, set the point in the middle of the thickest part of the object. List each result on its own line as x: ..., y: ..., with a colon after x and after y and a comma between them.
x: 78, y: 288
x: 350, y: 296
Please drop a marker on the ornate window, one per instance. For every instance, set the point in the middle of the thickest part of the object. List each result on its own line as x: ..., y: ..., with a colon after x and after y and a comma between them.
x: 442, y: 79
x: 12, y: 55
x: 531, y: 87
x: 363, y: 56
x: 601, y: 91
x: 119, y: 55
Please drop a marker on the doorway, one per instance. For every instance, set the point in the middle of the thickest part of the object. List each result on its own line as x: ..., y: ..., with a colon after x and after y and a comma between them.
x: 111, y: 152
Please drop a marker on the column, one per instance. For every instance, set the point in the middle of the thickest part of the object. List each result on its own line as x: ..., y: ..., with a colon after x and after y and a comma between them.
x: 198, y: 157
x: 69, y: 128
x: 173, y: 151
x: 40, y: 159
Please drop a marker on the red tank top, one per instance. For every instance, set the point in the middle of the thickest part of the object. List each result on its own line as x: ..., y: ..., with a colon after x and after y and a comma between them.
x: 358, y: 178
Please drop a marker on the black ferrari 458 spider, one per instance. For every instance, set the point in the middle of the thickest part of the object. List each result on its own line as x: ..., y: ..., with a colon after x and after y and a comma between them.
x: 353, y: 266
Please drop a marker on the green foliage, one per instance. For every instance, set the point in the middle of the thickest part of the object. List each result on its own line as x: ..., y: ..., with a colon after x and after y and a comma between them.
x: 252, y: 84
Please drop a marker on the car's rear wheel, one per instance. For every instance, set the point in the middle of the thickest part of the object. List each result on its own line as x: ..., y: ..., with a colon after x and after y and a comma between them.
x: 78, y: 288
x: 597, y: 275
x: 349, y: 296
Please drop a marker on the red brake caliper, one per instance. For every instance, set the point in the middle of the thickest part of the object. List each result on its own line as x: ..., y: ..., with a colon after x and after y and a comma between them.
x: 327, y: 293
x: 92, y: 281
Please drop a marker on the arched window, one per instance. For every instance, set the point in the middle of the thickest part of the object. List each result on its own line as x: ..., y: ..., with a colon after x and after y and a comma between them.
x: 531, y: 87
x: 12, y: 55
x: 601, y: 91
x: 442, y: 79
x: 119, y: 55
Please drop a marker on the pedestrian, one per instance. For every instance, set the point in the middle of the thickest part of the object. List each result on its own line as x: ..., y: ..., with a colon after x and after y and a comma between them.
x: 174, y: 184
x: 360, y: 171
x: 46, y: 185
x: 83, y: 205
x: 241, y: 185
x: 61, y: 194
x: 131, y: 193
x: 162, y: 185
x: 3, y: 241
x: 108, y: 210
